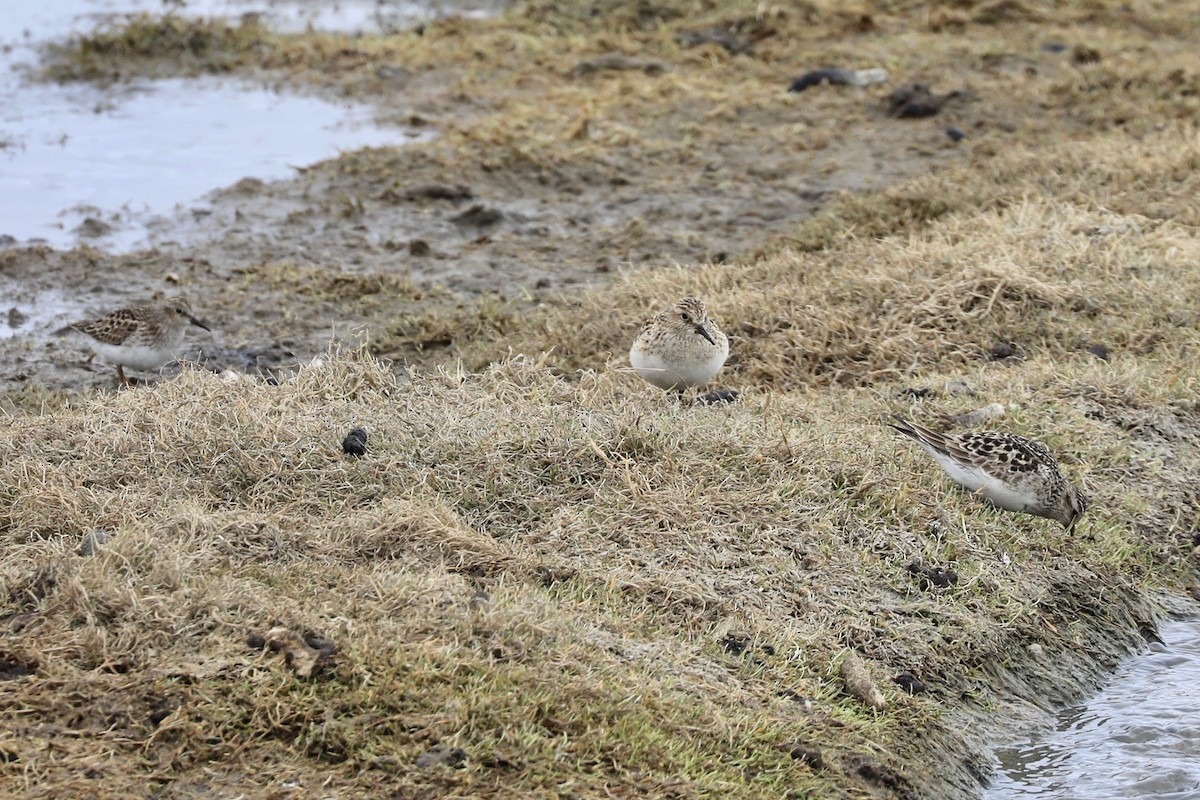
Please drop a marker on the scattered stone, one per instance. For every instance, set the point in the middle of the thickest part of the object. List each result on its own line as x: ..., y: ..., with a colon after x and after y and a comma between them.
x: 809, y: 755
x: 305, y: 655
x: 973, y: 419
x: 959, y: 389
x: 910, y: 683
x: 955, y: 134
x: 1082, y: 54
x: 1001, y: 351
x: 418, y: 247
x: 479, y: 601
x: 441, y: 754
x: 859, y: 683
x: 916, y: 100
x: 735, y: 643
x: 839, y: 77
x: 16, y: 318
x: 92, y: 542
x: 478, y: 216
x: 1194, y: 591
x: 932, y: 577
x: 618, y: 62
x: 1036, y: 650
x: 355, y: 443
x: 1100, y: 351
x: 1054, y: 47
x: 719, y: 396
x: 440, y: 191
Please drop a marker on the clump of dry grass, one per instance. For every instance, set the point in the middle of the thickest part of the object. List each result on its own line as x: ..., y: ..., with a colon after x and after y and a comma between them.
x: 570, y: 582
x: 1030, y: 261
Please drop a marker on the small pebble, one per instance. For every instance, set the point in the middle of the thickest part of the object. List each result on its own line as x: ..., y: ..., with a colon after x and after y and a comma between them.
x: 355, y: 443
x: 955, y: 134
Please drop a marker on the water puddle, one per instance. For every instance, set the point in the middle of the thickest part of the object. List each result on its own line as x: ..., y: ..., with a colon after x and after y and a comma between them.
x: 80, y: 163
x: 1140, y: 737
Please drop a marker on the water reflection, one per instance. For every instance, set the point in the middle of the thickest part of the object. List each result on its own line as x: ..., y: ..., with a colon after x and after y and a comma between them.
x: 1140, y: 737
x: 81, y: 163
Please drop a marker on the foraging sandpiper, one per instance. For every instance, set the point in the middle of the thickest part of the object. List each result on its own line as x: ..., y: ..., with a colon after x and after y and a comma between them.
x: 141, y: 337
x: 680, y: 347
x: 1011, y: 472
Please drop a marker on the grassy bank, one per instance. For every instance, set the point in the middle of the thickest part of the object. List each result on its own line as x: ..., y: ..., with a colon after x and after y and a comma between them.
x: 546, y: 578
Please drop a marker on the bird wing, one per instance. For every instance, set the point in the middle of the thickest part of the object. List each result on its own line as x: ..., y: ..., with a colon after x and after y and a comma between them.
x: 112, y: 328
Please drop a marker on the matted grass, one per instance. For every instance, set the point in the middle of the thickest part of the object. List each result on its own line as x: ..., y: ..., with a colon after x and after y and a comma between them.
x: 546, y: 578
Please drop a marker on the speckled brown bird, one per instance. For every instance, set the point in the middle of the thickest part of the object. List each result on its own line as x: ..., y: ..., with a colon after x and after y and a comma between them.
x: 141, y: 337
x: 1009, y: 471
x: 680, y: 347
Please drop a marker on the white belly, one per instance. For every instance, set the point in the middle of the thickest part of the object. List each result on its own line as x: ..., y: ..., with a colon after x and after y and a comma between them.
x: 134, y: 356
x: 976, y: 480
x: 680, y: 374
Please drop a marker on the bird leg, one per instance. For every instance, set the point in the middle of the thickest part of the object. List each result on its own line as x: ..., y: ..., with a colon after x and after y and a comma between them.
x: 121, y: 375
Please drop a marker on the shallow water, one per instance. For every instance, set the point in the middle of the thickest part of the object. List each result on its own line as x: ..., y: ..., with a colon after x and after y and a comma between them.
x: 84, y: 163
x: 1140, y: 737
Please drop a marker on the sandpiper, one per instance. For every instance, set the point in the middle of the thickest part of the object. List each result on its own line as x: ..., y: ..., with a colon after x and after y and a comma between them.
x: 1010, y: 471
x: 141, y: 337
x: 680, y: 347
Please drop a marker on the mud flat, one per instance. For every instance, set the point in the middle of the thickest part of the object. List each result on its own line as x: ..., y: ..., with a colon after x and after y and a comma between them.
x: 543, y: 579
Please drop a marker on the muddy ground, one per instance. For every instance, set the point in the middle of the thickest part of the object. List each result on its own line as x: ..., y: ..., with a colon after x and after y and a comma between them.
x: 360, y: 244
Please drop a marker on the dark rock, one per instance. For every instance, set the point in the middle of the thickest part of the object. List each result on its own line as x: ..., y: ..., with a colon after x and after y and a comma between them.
x: 1054, y: 47
x: 719, y: 396
x: 1001, y: 351
x: 735, y: 643
x: 955, y: 134
x: 418, y: 247
x: 355, y: 443
x: 1098, y: 350
x: 809, y: 755
x: 917, y: 100
x: 439, y: 191
x: 478, y: 216
x: 838, y: 77
x: 909, y: 683
x: 933, y: 577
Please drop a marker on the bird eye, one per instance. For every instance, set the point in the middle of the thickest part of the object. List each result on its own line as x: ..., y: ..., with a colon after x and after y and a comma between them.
x: 686, y: 317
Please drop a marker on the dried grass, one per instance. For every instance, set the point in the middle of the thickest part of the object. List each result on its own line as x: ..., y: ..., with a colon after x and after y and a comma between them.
x: 588, y: 587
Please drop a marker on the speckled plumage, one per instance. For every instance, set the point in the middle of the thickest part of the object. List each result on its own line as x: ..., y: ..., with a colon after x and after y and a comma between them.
x: 1010, y: 471
x: 141, y: 337
x: 680, y: 347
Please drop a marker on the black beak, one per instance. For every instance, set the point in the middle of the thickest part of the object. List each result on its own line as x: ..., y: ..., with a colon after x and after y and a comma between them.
x: 199, y: 323
x: 700, y: 330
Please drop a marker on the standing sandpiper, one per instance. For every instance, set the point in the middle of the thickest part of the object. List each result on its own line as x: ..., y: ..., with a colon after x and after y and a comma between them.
x: 680, y: 347
x: 141, y: 337
x: 1011, y: 472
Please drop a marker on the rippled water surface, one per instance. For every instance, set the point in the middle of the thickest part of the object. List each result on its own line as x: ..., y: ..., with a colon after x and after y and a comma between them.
x: 1140, y: 737
x: 80, y: 162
